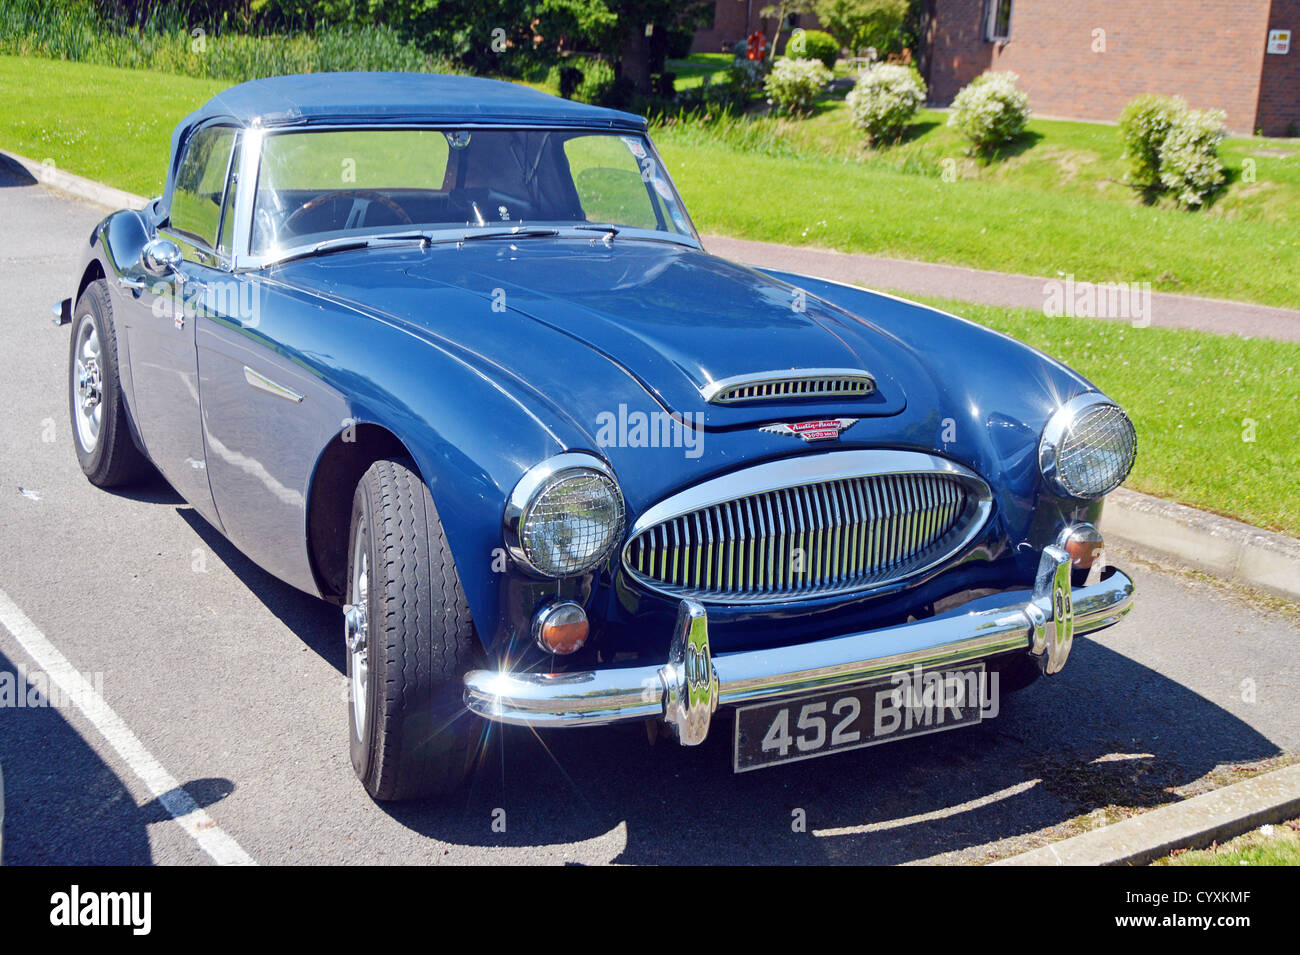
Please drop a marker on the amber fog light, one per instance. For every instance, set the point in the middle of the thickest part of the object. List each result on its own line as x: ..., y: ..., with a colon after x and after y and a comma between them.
x: 560, y: 627
x: 1083, y: 542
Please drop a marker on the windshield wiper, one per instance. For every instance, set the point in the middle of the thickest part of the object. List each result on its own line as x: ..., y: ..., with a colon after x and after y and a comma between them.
x: 518, y: 232
x: 609, y: 230
x: 346, y: 242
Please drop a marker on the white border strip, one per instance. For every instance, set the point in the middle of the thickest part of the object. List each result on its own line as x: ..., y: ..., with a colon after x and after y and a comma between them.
x: 198, y: 825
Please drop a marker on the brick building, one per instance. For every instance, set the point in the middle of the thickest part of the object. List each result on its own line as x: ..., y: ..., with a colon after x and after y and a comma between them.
x: 735, y: 20
x: 1086, y: 58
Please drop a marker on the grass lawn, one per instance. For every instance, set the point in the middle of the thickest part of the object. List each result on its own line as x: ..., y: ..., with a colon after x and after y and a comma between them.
x: 1058, y: 156
x: 1268, y: 845
x: 756, y: 183
x: 113, y: 125
x: 691, y: 71
x: 1192, y: 397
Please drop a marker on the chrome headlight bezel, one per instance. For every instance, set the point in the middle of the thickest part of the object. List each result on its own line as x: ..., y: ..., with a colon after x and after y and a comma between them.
x: 1061, y: 426
x: 530, y: 490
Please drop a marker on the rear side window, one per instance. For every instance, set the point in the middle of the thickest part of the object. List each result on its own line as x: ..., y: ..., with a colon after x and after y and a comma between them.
x: 201, y: 184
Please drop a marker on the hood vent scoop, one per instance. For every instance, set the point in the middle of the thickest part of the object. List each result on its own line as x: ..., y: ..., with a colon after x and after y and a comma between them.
x: 790, y: 384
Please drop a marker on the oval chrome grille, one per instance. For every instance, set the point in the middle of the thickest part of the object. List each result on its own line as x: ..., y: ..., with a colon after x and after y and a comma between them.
x: 843, y: 533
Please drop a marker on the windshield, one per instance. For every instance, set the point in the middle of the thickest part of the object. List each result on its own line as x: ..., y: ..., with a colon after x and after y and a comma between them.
x: 333, y: 184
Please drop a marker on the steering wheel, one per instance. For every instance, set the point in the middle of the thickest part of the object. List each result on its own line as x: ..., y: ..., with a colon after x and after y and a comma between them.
x: 357, y: 215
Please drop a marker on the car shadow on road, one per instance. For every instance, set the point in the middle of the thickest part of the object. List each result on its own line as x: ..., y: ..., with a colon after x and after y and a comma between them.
x: 63, y: 804
x: 1057, y: 751
x: 317, y: 624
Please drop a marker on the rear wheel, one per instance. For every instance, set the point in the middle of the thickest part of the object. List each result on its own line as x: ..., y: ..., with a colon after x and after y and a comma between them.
x: 100, y: 432
x: 410, y: 640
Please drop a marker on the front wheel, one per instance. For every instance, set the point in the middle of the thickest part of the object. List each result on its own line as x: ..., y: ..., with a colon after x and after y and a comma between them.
x: 410, y: 641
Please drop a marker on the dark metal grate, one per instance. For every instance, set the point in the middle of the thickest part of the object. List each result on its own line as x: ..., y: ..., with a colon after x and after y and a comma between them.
x: 832, y: 537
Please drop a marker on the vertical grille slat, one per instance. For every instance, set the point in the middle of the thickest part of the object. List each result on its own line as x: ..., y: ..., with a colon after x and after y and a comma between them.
x: 850, y: 533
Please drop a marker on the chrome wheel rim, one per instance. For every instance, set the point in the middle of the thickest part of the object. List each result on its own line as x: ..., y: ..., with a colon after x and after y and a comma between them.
x: 356, y: 621
x: 87, y: 385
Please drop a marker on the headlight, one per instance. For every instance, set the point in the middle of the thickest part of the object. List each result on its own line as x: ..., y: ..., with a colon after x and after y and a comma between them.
x: 1087, y: 448
x: 564, y: 516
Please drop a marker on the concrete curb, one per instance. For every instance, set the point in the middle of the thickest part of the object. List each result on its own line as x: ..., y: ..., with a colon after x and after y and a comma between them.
x: 1217, y: 545
x: 74, y: 185
x: 1192, y: 824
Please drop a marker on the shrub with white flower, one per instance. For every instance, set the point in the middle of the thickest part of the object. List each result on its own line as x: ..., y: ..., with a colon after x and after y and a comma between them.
x: 1189, y: 156
x: 1171, y: 148
x: 990, y: 110
x: 884, y: 100
x: 793, y: 84
x: 1143, y: 126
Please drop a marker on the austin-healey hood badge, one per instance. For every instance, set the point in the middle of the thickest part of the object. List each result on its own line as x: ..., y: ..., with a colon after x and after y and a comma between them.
x: 824, y: 429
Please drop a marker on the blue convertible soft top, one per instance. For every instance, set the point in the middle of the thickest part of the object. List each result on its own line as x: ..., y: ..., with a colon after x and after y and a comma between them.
x: 323, y: 98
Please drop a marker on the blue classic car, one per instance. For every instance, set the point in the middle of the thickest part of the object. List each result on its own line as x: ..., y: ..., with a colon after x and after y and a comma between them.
x: 448, y: 353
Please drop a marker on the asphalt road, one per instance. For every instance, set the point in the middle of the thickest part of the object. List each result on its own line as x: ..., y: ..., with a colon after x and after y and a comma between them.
x: 233, y: 684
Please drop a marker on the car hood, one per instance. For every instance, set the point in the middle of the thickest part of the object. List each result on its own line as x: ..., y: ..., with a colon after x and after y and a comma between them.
x: 673, y: 318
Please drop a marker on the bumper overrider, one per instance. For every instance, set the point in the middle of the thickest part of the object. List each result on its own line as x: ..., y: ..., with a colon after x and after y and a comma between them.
x: 689, y: 687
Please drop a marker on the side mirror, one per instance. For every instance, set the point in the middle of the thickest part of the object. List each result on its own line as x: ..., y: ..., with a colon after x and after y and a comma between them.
x: 161, y: 257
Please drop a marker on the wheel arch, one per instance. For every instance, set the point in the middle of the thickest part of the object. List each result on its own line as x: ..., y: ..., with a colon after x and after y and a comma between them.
x: 329, y: 498
x: 93, y: 272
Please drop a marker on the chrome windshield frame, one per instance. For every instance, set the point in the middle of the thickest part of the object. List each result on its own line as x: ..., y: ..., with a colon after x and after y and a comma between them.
x: 250, y: 160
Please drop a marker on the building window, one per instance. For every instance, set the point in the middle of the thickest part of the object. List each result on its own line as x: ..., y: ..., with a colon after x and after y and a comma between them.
x: 997, y: 20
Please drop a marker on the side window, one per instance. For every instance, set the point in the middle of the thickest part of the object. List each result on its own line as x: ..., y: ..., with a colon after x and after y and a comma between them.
x: 200, y: 185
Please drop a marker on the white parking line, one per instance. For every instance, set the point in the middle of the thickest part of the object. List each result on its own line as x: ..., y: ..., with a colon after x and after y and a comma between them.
x: 179, y: 804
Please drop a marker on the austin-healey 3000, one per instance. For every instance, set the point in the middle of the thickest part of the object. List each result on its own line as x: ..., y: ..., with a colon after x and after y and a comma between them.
x: 449, y: 353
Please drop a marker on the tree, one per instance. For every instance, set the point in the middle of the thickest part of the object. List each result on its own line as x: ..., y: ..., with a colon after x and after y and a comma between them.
x: 783, y: 10
x: 860, y: 23
x: 479, y: 32
x: 632, y: 33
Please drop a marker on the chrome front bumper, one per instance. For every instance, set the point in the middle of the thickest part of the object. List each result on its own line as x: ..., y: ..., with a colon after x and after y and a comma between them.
x: 687, y: 690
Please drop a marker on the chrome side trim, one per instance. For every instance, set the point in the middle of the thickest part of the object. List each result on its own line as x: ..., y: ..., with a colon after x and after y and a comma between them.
x: 790, y: 383
x: 599, y: 697
x: 262, y: 383
x: 250, y: 159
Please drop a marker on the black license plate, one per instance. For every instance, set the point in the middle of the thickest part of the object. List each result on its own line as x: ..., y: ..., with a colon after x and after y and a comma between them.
x: 913, y: 703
